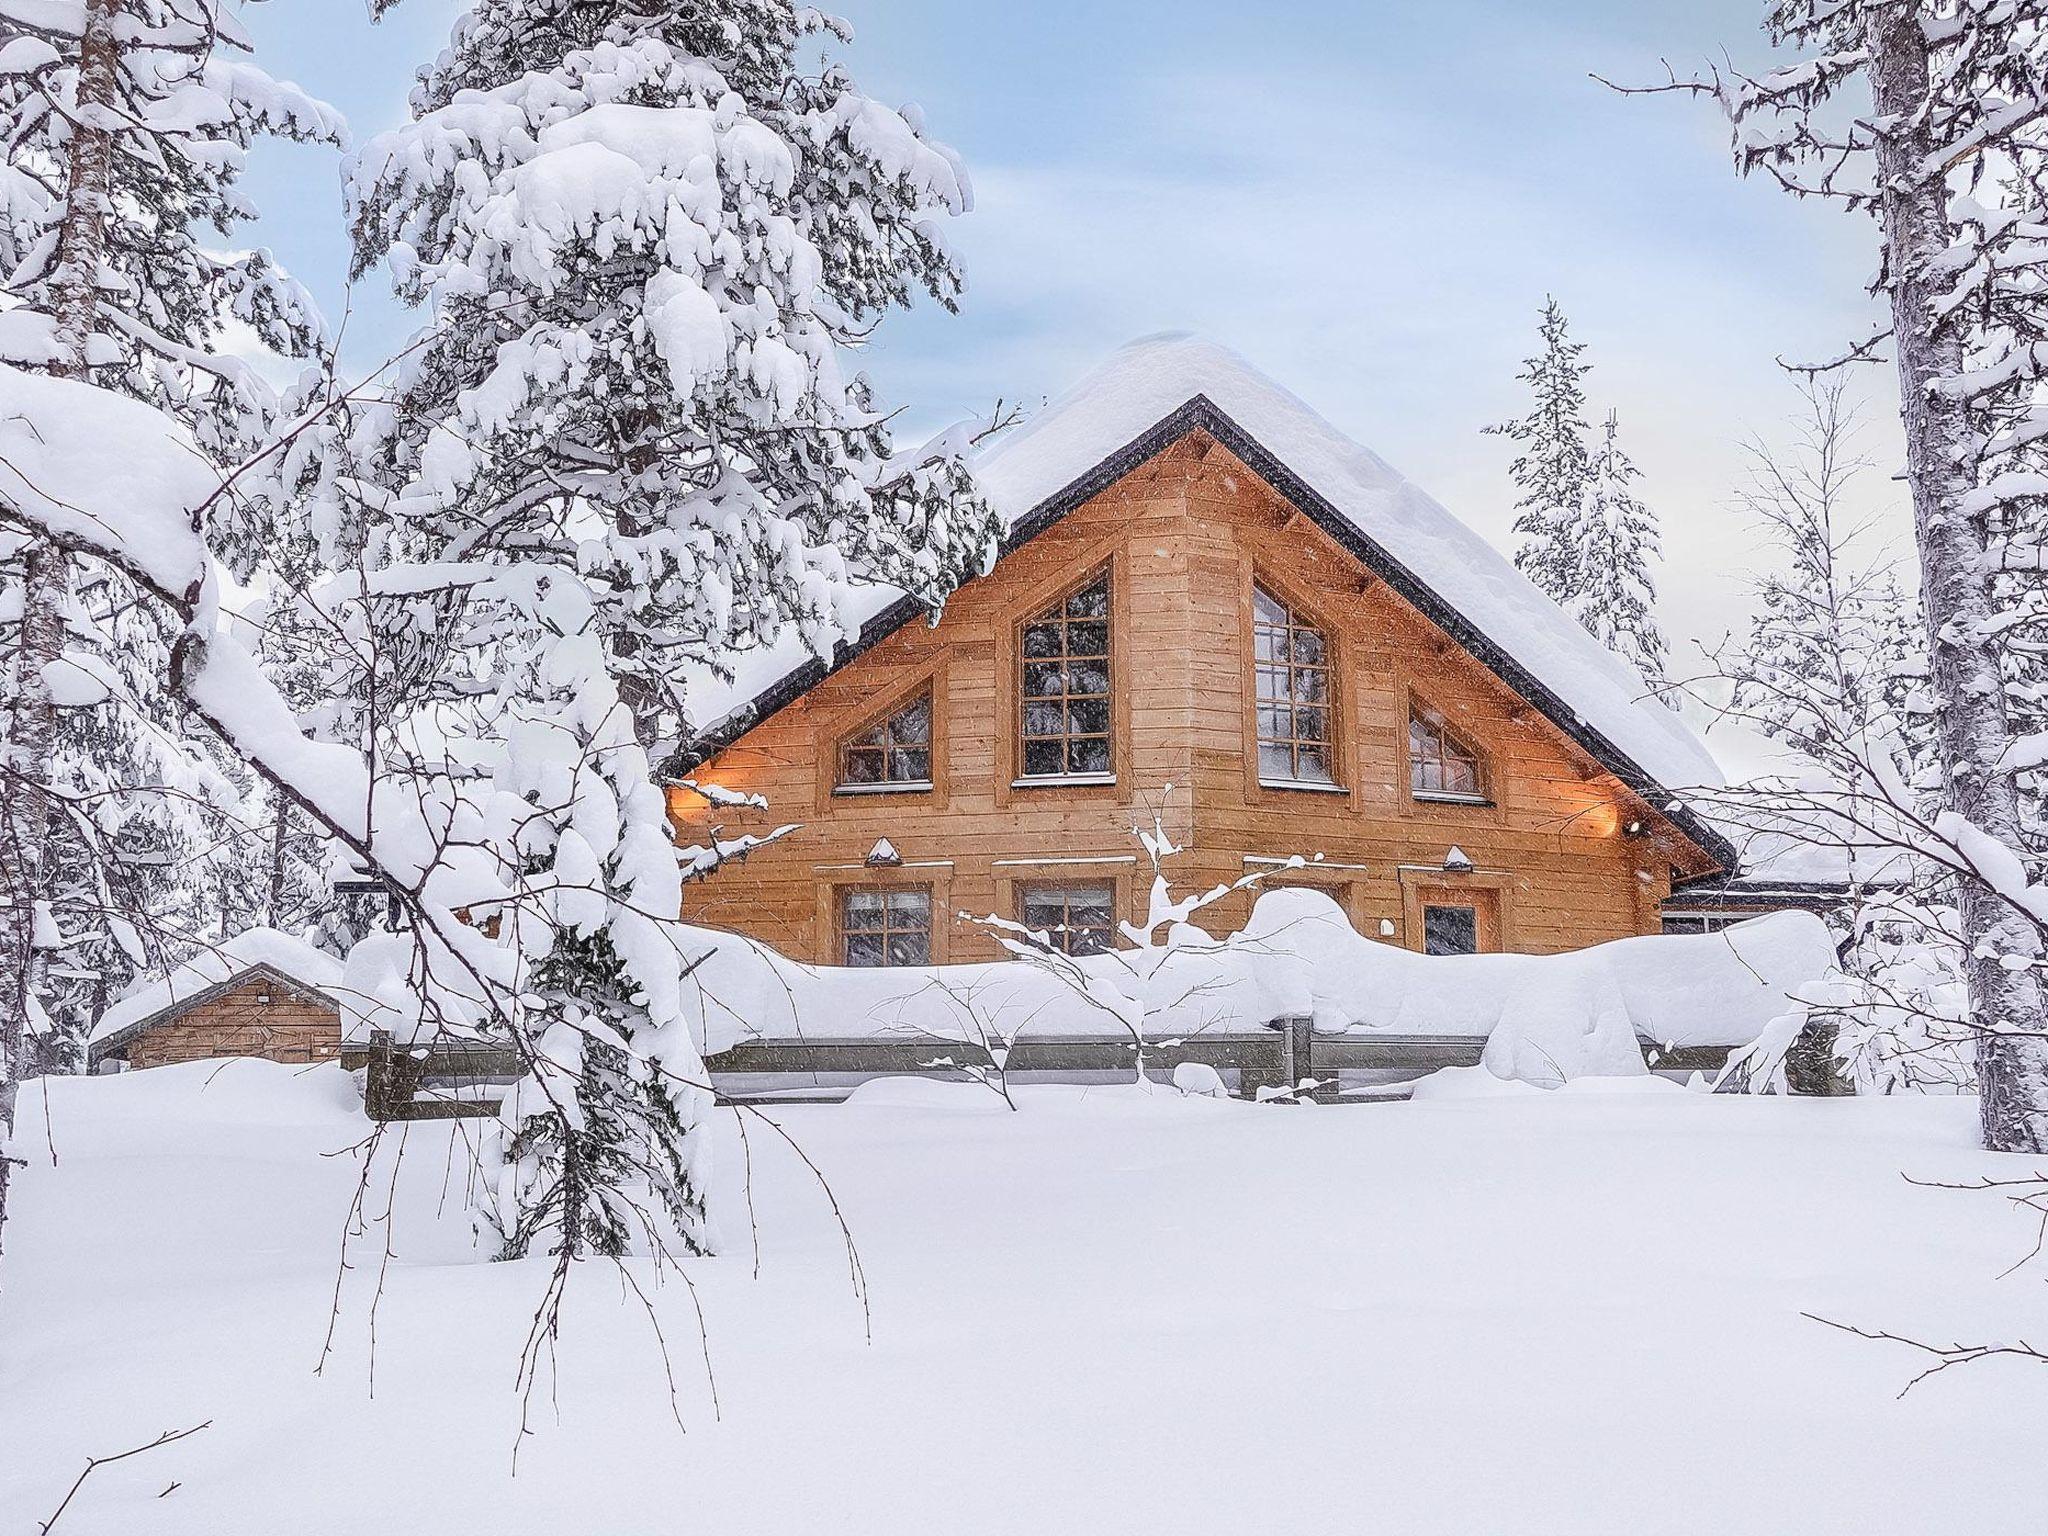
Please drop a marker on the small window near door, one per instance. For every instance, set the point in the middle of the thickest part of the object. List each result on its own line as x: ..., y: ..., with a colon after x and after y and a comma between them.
x: 890, y: 926
x: 1064, y: 670
x: 1450, y: 930
x: 1075, y: 919
x: 1293, y: 694
x: 894, y: 754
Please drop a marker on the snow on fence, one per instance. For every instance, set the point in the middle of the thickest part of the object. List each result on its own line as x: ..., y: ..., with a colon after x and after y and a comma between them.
x: 1298, y: 997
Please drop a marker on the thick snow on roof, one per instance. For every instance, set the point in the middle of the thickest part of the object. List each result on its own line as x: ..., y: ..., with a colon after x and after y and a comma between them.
x: 210, y: 967
x: 1151, y: 378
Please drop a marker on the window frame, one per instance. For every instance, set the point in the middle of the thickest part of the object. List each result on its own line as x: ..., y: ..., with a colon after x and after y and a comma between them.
x: 842, y: 897
x: 1106, y: 574
x: 1490, y: 892
x: 925, y: 691
x: 1421, y: 712
x: 1299, y: 617
x: 1024, y: 890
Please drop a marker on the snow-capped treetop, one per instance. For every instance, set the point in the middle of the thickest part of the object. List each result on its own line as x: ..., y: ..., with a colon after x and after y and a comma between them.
x: 1617, y: 541
x: 650, y: 235
x: 1146, y: 382
x: 1554, y: 471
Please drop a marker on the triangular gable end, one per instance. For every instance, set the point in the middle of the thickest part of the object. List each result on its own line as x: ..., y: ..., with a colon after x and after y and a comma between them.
x: 1200, y: 414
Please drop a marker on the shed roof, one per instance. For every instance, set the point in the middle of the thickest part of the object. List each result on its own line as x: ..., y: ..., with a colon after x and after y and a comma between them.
x: 212, y: 971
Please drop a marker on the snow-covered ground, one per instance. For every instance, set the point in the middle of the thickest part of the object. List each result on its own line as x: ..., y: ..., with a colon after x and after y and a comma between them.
x: 1573, y: 1311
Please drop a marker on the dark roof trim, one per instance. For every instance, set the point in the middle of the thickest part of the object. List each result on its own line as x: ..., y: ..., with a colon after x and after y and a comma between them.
x: 1201, y: 413
x: 111, y: 1044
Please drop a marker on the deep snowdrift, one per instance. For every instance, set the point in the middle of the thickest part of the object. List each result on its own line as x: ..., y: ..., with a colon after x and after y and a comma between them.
x: 1547, y: 1017
x: 1564, y: 1312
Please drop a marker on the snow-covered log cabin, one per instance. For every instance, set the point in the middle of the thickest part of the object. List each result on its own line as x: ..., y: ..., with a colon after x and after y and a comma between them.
x: 1204, y: 585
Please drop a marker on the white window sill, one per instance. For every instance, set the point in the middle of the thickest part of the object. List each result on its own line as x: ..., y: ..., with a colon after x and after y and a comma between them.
x: 1446, y: 797
x: 1059, y: 780
x: 1314, y: 786
x: 905, y: 787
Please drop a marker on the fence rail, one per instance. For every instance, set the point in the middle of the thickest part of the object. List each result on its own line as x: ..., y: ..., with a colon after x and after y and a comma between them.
x: 1286, y: 1059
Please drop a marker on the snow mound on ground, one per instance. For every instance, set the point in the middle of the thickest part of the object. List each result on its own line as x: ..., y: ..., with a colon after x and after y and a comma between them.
x: 925, y: 1093
x: 292, y: 957
x: 1546, y: 1018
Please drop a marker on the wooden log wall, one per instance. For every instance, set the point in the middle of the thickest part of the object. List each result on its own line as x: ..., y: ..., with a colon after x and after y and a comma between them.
x: 1183, y: 539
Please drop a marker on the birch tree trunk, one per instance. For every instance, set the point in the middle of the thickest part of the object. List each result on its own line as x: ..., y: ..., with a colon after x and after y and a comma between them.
x: 25, y: 808
x: 1955, y: 586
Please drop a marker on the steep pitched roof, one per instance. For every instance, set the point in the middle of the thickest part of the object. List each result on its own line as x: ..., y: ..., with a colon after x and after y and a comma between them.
x: 1155, y: 391
x: 213, y: 971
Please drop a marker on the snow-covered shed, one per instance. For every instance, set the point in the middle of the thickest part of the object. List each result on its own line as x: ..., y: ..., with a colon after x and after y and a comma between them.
x: 1204, y: 584
x: 260, y: 993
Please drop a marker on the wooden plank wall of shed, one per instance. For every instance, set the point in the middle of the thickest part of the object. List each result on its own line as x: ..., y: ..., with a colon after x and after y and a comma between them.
x: 1183, y: 536
x: 290, y: 1027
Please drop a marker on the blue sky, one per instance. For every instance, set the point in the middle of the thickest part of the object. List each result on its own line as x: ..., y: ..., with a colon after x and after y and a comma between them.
x: 1369, y: 200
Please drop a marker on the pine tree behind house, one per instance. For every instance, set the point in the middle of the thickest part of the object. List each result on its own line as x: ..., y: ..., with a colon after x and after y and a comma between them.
x: 1615, y: 539
x: 1554, y: 469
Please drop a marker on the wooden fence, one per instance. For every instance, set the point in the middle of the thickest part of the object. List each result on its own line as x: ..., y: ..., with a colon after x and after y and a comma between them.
x: 448, y: 1081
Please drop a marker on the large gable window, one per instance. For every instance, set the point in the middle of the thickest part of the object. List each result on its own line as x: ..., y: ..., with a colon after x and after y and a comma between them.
x: 1293, y: 695
x: 894, y: 754
x: 1064, y: 662
x: 1441, y: 767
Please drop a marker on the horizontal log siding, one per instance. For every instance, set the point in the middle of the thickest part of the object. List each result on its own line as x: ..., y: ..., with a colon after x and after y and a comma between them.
x: 1183, y: 536
x: 239, y: 1022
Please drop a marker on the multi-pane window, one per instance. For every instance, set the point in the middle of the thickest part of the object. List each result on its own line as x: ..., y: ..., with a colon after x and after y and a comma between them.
x: 885, y: 926
x: 897, y: 752
x: 1293, y: 697
x: 1450, y: 930
x: 1439, y: 764
x: 1064, y: 686
x: 1075, y: 919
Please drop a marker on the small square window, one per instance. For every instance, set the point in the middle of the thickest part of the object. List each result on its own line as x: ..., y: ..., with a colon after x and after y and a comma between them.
x: 1450, y: 930
x: 885, y: 927
x: 1075, y: 919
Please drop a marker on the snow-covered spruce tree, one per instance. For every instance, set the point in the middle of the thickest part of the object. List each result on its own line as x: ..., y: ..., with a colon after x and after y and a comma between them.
x: 602, y: 1122
x: 1554, y: 469
x: 126, y: 123
x: 1615, y: 539
x: 648, y: 239
x: 1931, y: 116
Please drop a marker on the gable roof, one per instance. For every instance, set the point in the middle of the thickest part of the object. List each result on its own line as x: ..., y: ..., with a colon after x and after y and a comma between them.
x: 264, y: 952
x: 1155, y: 391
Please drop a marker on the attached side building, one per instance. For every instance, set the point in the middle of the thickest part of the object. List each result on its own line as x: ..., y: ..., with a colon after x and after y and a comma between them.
x: 1208, y: 587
